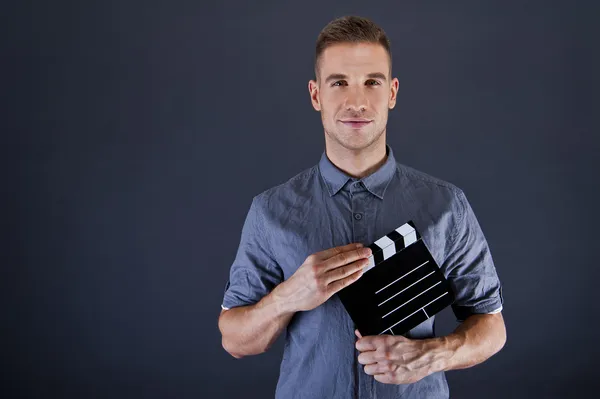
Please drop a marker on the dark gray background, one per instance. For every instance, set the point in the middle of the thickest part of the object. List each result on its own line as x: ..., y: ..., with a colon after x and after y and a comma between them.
x: 136, y: 135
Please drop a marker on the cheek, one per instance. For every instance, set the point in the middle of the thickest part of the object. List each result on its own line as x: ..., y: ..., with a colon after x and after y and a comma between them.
x: 328, y: 110
x: 330, y: 101
x: 379, y: 101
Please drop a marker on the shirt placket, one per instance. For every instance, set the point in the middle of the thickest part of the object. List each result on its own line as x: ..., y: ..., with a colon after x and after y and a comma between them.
x: 358, y: 200
x: 359, y: 229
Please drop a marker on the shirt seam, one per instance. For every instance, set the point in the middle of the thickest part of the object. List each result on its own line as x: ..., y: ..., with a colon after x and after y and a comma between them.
x: 458, y: 193
x: 461, y: 218
x: 261, y: 226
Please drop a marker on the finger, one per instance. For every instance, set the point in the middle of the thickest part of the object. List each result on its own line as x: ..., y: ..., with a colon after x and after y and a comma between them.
x: 370, y: 369
x: 386, y: 378
x: 328, y: 253
x: 337, y: 285
x: 347, y: 257
x: 369, y: 357
x: 357, y: 333
x: 369, y: 343
x: 344, y: 271
x: 375, y: 368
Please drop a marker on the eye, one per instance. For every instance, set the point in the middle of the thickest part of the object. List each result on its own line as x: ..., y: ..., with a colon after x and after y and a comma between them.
x: 336, y: 83
x: 374, y: 81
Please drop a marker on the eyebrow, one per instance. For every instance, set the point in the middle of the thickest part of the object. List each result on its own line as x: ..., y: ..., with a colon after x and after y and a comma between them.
x: 340, y: 76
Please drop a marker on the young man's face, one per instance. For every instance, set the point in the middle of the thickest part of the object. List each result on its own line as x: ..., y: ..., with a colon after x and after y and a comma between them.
x: 354, y: 83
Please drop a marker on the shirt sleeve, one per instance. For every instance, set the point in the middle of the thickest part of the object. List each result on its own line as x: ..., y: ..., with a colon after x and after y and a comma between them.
x: 469, y: 266
x: 254, y: 272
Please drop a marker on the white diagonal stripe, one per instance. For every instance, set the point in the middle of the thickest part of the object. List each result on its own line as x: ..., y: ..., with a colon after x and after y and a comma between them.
x: 384, y: 242
x: 405, y: 229
x: 410, y: 238
x: 413, y: 313
x: 389, y: 251
x: 398, y: 293
x: 416, y: 296
x: 399, y: 278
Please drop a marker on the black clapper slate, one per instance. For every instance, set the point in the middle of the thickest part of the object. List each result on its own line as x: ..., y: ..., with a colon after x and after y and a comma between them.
x: 401, y: 288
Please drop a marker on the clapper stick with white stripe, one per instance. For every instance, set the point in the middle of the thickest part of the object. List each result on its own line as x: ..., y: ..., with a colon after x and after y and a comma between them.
x: 402, y: 286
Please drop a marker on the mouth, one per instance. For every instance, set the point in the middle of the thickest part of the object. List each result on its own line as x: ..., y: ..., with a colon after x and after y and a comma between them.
x: 356, y: 123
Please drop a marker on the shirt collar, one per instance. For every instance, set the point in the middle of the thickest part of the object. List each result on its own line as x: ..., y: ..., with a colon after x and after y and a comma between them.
x: 376, y: 182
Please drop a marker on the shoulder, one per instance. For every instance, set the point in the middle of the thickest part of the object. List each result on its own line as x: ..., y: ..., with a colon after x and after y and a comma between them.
x: 285, y: 194
x: 439, y: 196
x: 418, y: 179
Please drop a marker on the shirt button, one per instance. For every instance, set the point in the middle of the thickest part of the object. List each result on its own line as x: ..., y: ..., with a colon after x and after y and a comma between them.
x: 358, y: 216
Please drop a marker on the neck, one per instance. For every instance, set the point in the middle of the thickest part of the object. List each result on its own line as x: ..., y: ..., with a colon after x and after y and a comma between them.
x: 357, y: 163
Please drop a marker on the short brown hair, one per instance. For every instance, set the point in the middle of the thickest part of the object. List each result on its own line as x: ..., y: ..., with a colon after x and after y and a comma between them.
x: 350, y: 29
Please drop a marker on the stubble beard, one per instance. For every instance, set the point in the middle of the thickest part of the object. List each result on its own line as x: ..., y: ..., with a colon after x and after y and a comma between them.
x: 354, y: 145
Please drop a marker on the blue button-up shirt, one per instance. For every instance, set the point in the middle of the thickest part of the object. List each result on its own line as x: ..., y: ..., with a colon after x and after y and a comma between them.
x: 323, y: 207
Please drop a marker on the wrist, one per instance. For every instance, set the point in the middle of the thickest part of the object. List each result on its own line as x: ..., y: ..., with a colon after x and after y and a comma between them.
x: 282, y: 301
x: 444, y: 351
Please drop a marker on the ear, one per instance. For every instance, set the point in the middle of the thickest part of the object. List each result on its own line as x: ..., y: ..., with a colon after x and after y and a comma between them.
x: 393, y: 93
x: 313, y: 89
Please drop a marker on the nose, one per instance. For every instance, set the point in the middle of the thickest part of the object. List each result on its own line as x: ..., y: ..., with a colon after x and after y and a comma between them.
x: 356, y: 100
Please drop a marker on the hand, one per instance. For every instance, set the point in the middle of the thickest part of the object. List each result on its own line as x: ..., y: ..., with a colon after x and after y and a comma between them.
x: 394, y: 359
x: 321, y: 275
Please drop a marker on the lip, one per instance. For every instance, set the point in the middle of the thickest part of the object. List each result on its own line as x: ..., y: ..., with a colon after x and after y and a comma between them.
x: 356, y: 123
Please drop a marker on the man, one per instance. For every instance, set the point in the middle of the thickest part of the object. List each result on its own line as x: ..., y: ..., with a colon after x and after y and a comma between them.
x: 304, y: 240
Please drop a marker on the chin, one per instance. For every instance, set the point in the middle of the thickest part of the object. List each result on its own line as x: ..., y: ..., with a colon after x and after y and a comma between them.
x: 354, y: 140
x: 355, y: 144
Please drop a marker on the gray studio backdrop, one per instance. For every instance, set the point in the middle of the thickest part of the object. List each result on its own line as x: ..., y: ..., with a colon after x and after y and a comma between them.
x: 137, y: 134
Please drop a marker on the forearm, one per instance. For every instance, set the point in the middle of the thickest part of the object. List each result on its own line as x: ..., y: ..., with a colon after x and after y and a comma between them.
x: 250, y: 330
x: 475, y: 340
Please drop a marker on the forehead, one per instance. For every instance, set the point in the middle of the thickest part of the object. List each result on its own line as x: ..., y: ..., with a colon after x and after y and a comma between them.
x: 356, y: 58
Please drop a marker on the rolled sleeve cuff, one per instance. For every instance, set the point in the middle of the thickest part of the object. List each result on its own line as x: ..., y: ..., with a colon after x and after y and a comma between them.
x: 496, y: 310
x: 490, y: 307
x: 232, y: 302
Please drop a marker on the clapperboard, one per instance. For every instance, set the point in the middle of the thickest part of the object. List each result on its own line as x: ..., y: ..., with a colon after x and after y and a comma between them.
x: 401, y: 287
